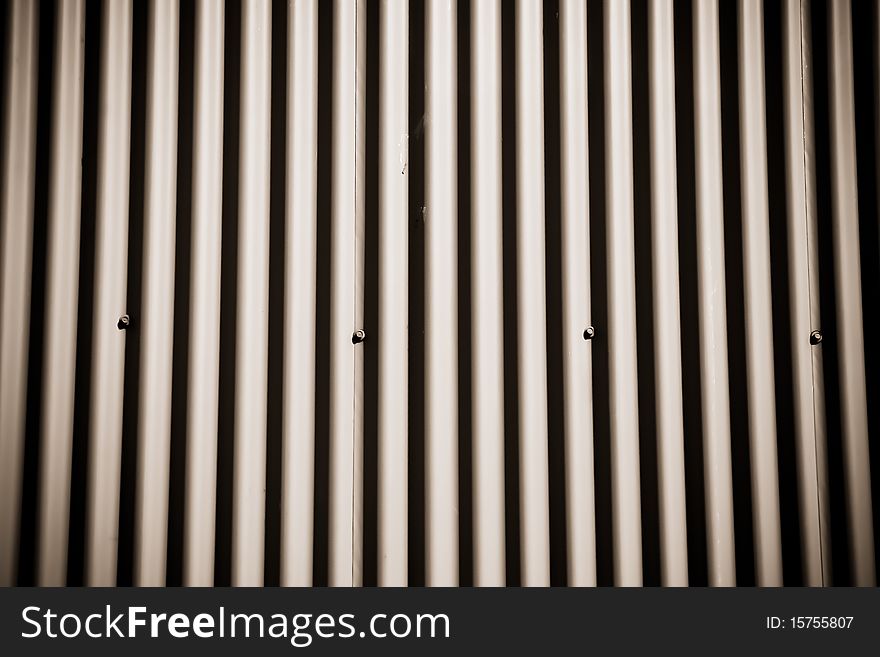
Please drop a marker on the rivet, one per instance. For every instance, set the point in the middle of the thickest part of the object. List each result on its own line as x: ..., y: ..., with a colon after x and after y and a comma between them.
x: 589, y: 332
x: 123, y: 323
x: 358, y: 336
x: 815, y: 337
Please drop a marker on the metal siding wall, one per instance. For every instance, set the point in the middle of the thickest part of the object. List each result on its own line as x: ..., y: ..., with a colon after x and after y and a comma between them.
x: 345, y: 449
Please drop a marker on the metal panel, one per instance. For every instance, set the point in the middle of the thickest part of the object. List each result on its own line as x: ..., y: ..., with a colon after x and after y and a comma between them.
x: 111, y: 274
x: 160, y: 215
x: 712, y: 296
x: 204, y: 320
x: 298, y: 489
x: 252, y: 309
x: 487, y: 313
x: 16, y: 232
x: 49, y: 501
x: 576, y: 309
x: 441, y: 296
x: 623, y: 374
x: 758, y: 298
x: 667, y: 307
x: 848, y: 288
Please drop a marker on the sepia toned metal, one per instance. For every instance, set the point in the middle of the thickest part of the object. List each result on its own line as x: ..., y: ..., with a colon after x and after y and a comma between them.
x: 538, y: 428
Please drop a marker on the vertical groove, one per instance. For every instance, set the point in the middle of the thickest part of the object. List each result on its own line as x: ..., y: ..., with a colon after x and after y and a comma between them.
x: 342, y: 293
x: 804, y: 304
x: 393, y: 267
x: 441, y: 287
x: 667, y: 328
x: 531, y: 297
x: 204, y: 321
x: 487, y: 336
x: 154, y: 408
x: 111, y: 258
x: 16, y: 236
x: 848, y: 286
x: 300, y: 295
x: 580, y: 500
x: 621, y: 325
x: 712, y: 297
x: 758, y: 300
x: 251, y: 349
x: 62, y: 274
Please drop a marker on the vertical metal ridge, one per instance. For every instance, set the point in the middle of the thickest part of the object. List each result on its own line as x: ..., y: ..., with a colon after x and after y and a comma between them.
x: 808, y: 145
x: 623, y: 374
x: 848, y: 288
x: 667, y: 307
x: 160, y: 220
x: 531, y: 296
x: 111, y: 273
x: 576, y: 307
x: 758, y: 296
x: 16, y: 236
x: 342, y: 292
x: 712, y: 296
x: 62, y: 288
x: 487, y: 330
x: 808, y: 381
x: 441, y: 296
x: 204, y: 320
x: 393, y: 285
x: 252, y: 312
x: 300, y: 262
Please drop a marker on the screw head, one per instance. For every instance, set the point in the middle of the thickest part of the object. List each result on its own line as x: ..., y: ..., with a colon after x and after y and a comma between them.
x: 358, y: 336
x: 123, y: 323
x: 815, y: 337
x: 589, y: 332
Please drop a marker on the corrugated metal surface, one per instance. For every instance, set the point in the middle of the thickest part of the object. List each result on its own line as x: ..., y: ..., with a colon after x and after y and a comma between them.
x: 478, y: 293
